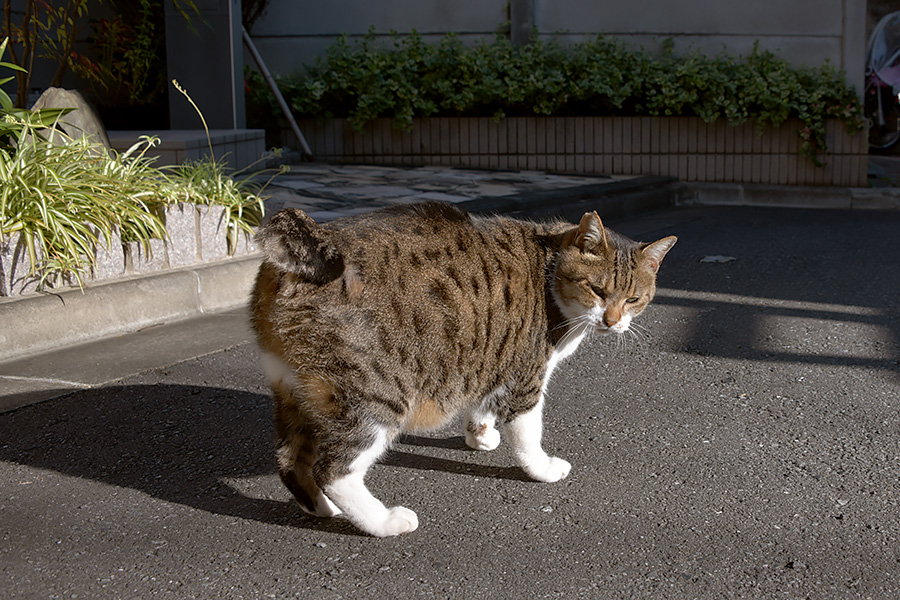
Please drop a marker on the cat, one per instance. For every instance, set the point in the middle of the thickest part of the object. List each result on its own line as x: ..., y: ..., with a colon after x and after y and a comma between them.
x: 396, y: 320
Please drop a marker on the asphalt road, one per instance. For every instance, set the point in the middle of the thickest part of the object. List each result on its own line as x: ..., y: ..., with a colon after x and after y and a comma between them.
x: 745, y: 444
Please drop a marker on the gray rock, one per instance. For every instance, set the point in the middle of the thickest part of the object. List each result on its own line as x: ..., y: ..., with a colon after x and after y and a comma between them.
x: 83, y: 121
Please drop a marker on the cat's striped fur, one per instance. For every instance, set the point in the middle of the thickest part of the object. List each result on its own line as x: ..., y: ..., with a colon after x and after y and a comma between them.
x: 399, y: 319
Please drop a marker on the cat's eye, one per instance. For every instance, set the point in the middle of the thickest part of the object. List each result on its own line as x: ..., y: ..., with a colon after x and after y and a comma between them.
x: 632, y: 300
x: 598, y: 291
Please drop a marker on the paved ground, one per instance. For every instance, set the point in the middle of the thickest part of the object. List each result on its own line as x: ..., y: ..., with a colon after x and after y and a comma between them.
x: 744, y: 445
x: 327, y: 192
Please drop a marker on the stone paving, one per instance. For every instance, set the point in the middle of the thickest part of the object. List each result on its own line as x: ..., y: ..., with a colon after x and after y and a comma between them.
x: 326, y: 191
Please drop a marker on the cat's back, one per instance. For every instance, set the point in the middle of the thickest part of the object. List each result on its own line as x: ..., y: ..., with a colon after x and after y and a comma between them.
x: 433, y: 253
x: 404, y: 280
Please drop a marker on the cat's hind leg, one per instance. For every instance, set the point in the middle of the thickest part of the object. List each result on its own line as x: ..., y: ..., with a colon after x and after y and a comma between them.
x: 479, y: 423
x: 343, y: 480
x: 480, y: 429
x: 296, y: 455
x: 524, y: 434
x: 296, y: 444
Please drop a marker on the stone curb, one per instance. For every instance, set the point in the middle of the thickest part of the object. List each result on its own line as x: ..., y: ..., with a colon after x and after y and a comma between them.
x: 611, y: 200
x: 38, y: 323
x: 843, y: 198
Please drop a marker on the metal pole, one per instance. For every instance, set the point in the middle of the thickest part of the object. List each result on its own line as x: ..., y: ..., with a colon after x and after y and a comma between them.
x: 274, y: 87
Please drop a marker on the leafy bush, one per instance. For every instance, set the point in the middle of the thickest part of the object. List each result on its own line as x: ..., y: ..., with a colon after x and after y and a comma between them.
x: 69, y: 198
x: 66, y: 199
x: 364, y: 81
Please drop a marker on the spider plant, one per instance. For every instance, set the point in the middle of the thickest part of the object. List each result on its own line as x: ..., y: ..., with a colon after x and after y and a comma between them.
x: 65, y: 199
x: 206, y: 181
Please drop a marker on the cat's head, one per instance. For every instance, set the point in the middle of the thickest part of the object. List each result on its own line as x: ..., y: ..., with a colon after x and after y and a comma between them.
x: 603, y: 279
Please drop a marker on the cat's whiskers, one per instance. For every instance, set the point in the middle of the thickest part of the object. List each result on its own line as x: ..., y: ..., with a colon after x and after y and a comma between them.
x: 574, y: 322
x: 635, y: 334
x: 576, y: 327
x: 639, y: 333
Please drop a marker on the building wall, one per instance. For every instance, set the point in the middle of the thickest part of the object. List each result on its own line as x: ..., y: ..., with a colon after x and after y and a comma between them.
x: 291, y: 34
x: 803, y: 31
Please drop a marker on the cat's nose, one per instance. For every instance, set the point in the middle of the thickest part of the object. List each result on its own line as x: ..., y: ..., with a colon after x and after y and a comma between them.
x: 611, y: 316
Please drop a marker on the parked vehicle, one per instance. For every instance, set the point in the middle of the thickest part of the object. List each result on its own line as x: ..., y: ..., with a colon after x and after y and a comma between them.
x: 882, y: 103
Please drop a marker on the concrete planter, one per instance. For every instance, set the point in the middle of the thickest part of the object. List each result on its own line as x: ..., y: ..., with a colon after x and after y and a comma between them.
x: 15, y: 267
x: 196, y: 234
x: 212, y: 232
x: 684, y: 147
x: 240, y: 148
x: 182, y: 247
x: 138, y: 260
x: 109, y: 261
x: 242, y: 245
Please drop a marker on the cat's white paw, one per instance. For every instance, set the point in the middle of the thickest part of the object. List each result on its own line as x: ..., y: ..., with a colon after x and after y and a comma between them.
x: 399, y: 520
x: 553, y: 469
x: 489, y: 439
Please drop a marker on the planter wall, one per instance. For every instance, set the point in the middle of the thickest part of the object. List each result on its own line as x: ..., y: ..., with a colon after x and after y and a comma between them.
x: 15, y: 266
x: 239, y: 148
x: 683, y: 147
x: 197, y: 235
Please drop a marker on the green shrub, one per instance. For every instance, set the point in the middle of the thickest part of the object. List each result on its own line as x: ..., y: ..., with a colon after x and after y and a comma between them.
x: 364, y: 81
x: 66, y: 199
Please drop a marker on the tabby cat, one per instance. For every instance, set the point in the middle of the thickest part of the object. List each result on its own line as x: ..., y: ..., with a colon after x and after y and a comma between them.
x: 396, y: 320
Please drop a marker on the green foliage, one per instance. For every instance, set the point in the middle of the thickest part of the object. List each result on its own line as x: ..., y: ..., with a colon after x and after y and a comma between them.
x: 68, y: 198
x: 13, y: 121
x: 124, y: 64
x: 365, y: 80
x: 5, y: 101
x: 207, y: 181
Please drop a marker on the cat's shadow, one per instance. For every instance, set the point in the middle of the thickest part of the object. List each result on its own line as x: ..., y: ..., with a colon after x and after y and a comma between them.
x: 396, y: 457
x: 204, y: 447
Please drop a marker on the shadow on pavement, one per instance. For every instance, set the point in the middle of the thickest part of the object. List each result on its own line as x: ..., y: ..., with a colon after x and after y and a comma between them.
x: 805, y: 287
x: 191, y: 445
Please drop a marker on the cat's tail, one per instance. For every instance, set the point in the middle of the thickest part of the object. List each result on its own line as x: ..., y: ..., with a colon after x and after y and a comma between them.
x: 293, y: 242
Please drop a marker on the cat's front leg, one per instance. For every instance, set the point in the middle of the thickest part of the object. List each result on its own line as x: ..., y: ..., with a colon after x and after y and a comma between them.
x: 524, y: 434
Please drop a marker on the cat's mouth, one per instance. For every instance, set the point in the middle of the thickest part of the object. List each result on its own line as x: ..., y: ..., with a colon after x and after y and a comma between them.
x: 604, y: 329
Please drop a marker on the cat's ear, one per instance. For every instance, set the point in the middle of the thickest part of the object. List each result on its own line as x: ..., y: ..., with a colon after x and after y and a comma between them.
x: 293, y: 242
x: 591, y: 233
x: 655, y: 252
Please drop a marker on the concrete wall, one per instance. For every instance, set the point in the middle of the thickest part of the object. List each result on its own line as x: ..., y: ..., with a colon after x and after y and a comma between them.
x: 802, y: 31
x: 292, y: 33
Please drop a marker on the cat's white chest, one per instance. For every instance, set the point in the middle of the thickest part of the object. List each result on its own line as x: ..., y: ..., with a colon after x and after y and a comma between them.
x: 566, y: 347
